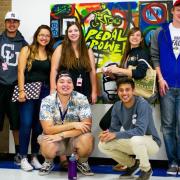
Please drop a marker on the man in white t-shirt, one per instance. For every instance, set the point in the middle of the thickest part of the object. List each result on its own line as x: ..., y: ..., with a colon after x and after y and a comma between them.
x: 165, y: 50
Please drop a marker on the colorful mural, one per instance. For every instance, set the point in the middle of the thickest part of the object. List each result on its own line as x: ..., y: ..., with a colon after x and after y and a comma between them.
x: 105, y: 27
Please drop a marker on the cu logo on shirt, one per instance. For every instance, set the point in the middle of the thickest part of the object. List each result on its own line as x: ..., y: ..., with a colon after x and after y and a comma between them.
x: 9, y: 55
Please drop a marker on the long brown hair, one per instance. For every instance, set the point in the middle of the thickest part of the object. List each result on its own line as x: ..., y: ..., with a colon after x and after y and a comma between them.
x: 128, y: 44
x: 35, y: 45
x: 68, y: 58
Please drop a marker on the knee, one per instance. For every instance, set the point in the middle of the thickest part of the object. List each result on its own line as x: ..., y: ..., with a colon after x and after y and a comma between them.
x: 102, y: 146
x: 136, y: 141
x: 86, y: 140
x: 85, y: 145
x: 48, y: 150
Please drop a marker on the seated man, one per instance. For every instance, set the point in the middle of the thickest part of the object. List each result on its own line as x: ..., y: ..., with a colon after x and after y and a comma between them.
x: 138, y: 137
x: 66, y: 120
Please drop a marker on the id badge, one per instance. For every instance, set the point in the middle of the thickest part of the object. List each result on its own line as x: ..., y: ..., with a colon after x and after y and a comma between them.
x: 4, y: 66
x: 79, y: 82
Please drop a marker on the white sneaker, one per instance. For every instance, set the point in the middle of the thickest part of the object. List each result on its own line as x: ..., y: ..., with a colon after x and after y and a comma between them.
x: 25, y: 165
x: 35, y: 163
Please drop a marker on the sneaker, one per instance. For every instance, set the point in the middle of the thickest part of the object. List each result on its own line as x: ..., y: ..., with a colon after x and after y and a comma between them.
x: 84, y: 168
x: 17, y: 159
x: 179, y: 170
x: 25, y: 165
x: 172, y: 170
x: 130, y: 171
x: 46, y: 168
x: 35, y: 163
x: 145, y: 175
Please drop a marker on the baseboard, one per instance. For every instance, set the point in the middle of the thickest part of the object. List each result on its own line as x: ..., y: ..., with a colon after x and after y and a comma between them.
x: 92, y: 160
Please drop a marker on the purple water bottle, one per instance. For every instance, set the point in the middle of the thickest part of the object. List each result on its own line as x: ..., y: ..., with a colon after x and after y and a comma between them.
x: 72, y: 168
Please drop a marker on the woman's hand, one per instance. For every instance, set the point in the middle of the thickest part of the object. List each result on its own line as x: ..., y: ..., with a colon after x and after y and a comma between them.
x: 107, y: 72
x: 93, y: 97
x: 22, y: 96
x: 114, y: 69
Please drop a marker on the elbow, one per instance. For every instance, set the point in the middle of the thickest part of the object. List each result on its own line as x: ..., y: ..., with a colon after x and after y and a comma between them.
x: 47, y: 131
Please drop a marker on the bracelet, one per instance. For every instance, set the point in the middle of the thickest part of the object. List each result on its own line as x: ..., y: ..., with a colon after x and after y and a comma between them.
x: 21, y: 90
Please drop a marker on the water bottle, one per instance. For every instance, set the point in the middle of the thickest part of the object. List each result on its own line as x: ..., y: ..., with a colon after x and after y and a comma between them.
x: 72, y: 168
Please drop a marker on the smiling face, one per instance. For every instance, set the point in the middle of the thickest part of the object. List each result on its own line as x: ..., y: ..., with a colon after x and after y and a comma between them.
x: 64, y: 85
x: 135, y: 39
x: 11, y: 25
x: 126, y: 94
x: 73, y: 33
x: 44, y: 36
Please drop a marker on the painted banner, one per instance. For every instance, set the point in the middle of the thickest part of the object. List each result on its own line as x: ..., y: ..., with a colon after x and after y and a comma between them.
x: 105, y: 27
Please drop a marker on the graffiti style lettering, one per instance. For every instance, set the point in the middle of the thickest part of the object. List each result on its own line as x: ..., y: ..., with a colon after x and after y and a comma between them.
x: 106, y: 40
x: 115, y: 35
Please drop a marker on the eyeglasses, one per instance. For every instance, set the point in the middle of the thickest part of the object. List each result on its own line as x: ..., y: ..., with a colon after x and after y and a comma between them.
x: 44, y: 35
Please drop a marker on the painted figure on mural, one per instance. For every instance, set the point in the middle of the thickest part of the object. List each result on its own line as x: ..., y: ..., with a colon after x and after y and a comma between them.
x: 165, y: 54
x: 11, y: 42
x: 139, y: 136
x: 33, y: 66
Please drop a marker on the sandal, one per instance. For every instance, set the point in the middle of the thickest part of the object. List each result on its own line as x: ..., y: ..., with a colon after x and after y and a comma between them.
x: 64, y: 165
x: 119, y: 167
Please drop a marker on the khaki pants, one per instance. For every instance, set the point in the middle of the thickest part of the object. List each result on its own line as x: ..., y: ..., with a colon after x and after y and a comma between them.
x: 120, y: 149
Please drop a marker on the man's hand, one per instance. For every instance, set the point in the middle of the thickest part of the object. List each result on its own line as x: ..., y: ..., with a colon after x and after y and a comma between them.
x: 53, y: 138
x: 106, y: 136
x: 163, y: 87
x: 83, y: 126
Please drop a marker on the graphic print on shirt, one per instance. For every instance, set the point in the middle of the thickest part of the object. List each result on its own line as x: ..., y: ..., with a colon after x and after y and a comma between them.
x: 176, y: 45
x: 10, y: 57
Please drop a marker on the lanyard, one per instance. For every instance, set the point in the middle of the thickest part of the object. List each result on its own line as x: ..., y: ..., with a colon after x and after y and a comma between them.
x: 61, y: 113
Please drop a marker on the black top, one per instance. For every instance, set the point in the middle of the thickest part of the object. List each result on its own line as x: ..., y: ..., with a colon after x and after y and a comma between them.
x: 40, y: 71
x: 80, y: 72
x: 134, y: 56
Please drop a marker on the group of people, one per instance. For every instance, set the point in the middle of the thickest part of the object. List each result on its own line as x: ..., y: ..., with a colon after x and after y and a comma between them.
x: 59, y: 122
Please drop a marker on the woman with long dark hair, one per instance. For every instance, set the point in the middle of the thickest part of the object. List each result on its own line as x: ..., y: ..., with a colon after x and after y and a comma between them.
x: 74, y: 56
x: 33, y: 66
x: 135, y: 54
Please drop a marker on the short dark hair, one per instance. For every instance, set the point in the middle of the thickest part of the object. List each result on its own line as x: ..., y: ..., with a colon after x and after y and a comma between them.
x: 125, y: 80
x: 63, y: 73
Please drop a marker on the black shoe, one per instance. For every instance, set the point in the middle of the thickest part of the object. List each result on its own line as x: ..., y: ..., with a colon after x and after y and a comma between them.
x: 130, y: 172
x: 145, y: 175
x: 17, y: 159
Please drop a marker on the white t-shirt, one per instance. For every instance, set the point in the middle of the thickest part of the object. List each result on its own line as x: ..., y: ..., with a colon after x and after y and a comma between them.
x: 175, y: 37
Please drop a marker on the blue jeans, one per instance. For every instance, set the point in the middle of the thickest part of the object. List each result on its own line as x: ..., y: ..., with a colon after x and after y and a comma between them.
x: 29, y: 120
x: 170, y: 124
